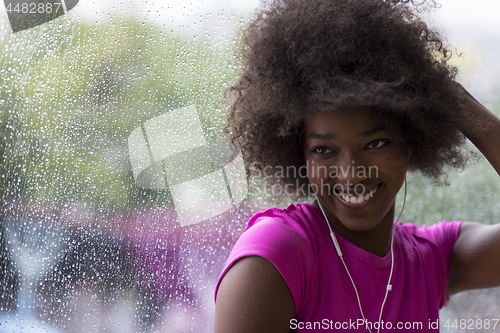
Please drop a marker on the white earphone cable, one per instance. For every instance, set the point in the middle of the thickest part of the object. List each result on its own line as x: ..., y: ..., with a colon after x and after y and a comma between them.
x: 339, y: 252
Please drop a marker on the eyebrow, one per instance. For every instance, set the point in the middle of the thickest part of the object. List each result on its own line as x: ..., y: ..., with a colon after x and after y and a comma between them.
x: 373, y: 131
x: 319, y: 136
x: 329, y: 136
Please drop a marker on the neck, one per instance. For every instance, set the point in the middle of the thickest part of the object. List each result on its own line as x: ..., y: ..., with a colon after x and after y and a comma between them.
x: 376, y: 241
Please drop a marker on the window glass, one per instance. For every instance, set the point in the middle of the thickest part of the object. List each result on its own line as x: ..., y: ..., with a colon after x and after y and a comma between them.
x: 120, y: 200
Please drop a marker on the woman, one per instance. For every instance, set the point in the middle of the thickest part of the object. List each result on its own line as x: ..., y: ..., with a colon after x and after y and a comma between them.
x: 358, y: 92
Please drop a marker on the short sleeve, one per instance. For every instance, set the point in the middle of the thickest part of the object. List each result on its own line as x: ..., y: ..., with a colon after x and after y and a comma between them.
x: 444, y: 236
x: 275, y: 240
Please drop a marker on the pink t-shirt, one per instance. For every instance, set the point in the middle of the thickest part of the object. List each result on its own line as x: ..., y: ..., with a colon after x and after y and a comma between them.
x: 297, y: 242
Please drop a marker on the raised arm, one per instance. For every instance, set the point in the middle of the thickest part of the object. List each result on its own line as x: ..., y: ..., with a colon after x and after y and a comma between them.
x: 253, y: 297
x: 475, y: 261
x: 487, y: 140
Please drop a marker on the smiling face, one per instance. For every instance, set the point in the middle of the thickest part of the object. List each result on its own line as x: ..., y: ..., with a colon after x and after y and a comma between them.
x: 356, y: 168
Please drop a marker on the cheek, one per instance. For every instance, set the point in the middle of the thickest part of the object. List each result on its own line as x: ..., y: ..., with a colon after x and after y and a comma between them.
x: 389, y: 168
x: 398, y: 168
x: 313, y: 177
x: 318, y: 171
x: 319, y: 177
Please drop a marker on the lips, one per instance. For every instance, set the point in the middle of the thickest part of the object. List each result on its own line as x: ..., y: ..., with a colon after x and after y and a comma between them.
x: 358, y: 199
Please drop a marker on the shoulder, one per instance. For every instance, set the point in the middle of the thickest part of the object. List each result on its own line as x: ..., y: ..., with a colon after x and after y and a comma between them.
x: 427, y: 252
x: 286, y: 238
x: 441, y: 234
x: 273, y: 225
x: 429, y: 244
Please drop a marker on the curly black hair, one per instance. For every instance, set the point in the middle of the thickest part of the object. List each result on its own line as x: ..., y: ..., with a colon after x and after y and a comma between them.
x: 301, y: 57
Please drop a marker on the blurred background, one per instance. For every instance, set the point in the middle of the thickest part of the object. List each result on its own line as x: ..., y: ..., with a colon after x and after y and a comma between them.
x: 82, y: 247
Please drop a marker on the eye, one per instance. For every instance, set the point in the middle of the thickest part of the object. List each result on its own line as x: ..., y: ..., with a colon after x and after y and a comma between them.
x: 376, y: 144
x: 322, y: 150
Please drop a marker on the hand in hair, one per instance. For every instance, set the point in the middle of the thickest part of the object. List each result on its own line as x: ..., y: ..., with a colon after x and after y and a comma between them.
x: 475, y: 261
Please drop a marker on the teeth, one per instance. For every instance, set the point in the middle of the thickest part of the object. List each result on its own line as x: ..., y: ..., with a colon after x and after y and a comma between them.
x: 358, y: 199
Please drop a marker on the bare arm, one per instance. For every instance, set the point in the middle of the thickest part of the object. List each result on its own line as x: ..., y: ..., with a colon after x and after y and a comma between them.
x: 253, y: 297
x: 488, y: 140
x: 475, y: 261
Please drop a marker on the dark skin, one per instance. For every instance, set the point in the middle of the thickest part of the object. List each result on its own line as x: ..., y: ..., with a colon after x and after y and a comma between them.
x: 354, y: 146
x: 253, y: 296
x: 475, y: 261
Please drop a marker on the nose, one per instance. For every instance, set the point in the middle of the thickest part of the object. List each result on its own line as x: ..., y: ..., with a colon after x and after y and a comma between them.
x: 351, y: 168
